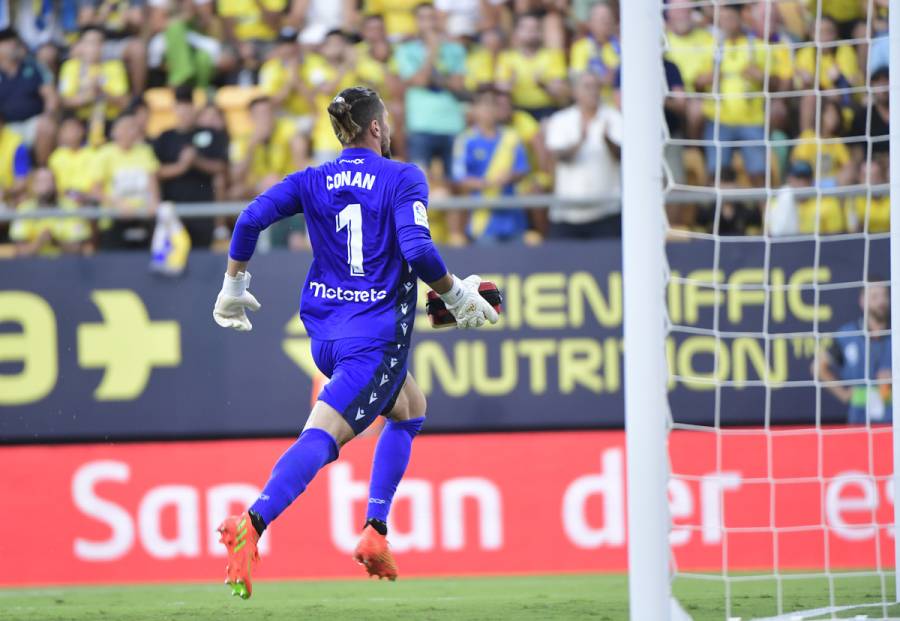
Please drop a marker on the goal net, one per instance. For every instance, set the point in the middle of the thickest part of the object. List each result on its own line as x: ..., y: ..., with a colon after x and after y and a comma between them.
x: 780, y: 485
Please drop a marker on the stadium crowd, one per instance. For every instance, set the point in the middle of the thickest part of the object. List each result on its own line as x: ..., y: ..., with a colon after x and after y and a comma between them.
x: 127, y: 103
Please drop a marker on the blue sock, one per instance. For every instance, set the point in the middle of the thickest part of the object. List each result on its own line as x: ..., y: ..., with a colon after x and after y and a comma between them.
x: 293, y: 471
x: 391, y: 459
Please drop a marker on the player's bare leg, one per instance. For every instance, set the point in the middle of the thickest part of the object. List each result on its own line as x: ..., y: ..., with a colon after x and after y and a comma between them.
x: 391, y: 458
x: 325, y: 432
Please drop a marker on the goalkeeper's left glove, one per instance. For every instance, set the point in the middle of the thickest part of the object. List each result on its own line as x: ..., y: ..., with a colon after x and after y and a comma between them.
x: 233, y: 301
x: 467, y: 305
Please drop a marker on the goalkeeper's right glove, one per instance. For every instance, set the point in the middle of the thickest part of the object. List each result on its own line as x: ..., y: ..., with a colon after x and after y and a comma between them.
x: 466, y: 304
x: 233, y: 301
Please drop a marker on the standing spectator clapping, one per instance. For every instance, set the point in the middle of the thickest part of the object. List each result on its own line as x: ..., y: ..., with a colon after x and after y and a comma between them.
x: 433, y: 70
x: 585, y: 140
x: 90, y: 86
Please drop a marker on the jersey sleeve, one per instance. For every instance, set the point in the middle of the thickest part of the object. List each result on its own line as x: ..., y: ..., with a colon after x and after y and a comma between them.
x: 411, y: 222
x: 282, y: 200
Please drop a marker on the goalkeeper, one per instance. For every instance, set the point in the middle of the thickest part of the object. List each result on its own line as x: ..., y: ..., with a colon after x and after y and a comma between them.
x: 368, y: 226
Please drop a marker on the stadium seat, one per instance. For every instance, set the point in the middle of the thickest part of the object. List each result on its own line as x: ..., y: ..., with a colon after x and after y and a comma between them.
x: 235, y: 102
x: 161, y: 102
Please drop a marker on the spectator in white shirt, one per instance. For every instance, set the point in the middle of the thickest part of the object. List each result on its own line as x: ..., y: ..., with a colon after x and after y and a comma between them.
x: 585, y: 141
x: 465, y: 18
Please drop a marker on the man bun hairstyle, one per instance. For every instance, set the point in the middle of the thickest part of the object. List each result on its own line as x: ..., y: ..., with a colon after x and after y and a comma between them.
x: 352, y: 110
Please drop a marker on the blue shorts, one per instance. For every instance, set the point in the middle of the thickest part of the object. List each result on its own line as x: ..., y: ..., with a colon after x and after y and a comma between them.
x: 754, y: 155
x: 366, y: 376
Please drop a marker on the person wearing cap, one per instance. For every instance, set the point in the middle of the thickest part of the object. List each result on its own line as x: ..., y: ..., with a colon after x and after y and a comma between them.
x: 27, y: 98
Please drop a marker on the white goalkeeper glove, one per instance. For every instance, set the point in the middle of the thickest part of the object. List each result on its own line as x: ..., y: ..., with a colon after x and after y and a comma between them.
x: 233, y: 301
x: 466, y: 304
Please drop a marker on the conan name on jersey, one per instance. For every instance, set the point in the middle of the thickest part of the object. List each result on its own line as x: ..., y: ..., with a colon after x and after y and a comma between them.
x: 349, y: 178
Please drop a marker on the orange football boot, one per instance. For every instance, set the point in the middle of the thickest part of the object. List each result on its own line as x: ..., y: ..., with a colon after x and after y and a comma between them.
x: 240, y: 539
x: 373, y: 553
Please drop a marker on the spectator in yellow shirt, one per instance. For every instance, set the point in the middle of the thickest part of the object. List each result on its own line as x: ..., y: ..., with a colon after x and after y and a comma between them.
x: 74, y: 164
x: 123, y: 23
x: 845, y: 14
x: 481, y: 62
x: 252, y: 20
x: 825, y: 154
x: 599, y: 51
x: 375, y: 67
x: 870, y: 214
x: 46, y: 236
x: 535, y: 75
x: 689, y: 48
x: 264, y: 157
x: 126, y: 170
x: 90, y: 86
x: 789, y: 214
x: 373, y: 33
x: 281, y: 80
x: 335, y: 69
x: 836, y: 66
x: 399, y: 16
x: 377, y: 71
x: 738, y: 70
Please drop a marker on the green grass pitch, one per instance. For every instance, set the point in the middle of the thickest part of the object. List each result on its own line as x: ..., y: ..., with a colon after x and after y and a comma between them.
x: 562, y: 597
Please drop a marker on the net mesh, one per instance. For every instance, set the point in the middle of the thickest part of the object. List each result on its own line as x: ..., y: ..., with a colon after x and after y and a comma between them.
x: 778, y: 252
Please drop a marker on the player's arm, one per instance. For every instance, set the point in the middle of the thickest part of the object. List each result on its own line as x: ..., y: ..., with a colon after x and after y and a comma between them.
x: 280, y: 201
x: 461, y: 297
x: 824, y: 363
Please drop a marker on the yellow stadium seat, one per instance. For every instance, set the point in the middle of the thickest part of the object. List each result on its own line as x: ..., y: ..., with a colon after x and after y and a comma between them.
x: 235, y: 103
x: 161, y: 103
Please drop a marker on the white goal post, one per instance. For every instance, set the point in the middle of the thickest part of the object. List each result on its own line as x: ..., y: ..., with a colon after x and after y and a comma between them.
x: 648, y: 327
x: 894, y: 142
x: 643, y: 263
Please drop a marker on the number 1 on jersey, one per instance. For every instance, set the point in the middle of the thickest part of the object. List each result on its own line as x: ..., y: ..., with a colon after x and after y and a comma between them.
x: 351, y: 217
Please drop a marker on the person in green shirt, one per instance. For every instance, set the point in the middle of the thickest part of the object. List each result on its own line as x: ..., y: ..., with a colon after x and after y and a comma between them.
x: 433, y: 70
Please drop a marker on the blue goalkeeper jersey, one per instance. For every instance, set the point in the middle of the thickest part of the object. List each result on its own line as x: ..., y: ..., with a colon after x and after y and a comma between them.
x: 368, y: 226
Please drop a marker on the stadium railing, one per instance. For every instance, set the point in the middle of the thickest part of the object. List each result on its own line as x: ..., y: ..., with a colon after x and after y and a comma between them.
x: 681, y: 194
